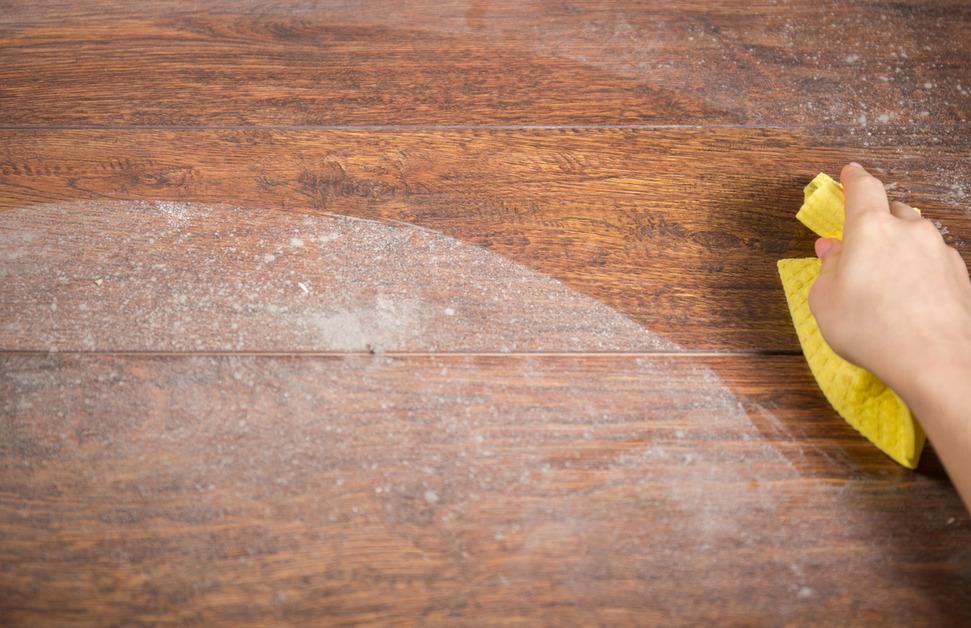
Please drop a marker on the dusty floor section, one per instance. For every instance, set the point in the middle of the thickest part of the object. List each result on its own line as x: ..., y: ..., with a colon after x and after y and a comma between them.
x: 580, y: 478
x: 163, y: 276
x: 591, y: 476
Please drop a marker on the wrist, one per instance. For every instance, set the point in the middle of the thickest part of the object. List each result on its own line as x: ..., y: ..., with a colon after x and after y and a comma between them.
x: 940, y: 381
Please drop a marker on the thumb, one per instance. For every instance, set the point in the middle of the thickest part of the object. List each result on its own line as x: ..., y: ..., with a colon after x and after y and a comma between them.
x: 828, y: 248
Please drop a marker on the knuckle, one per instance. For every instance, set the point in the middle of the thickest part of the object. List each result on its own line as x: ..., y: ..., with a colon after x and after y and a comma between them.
x: 869, y: 185
x: 871, y: 222
x: 929, y: 231
x: 872, y: 183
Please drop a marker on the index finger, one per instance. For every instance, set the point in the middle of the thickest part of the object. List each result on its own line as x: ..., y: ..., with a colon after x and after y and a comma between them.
x: 862, y: 191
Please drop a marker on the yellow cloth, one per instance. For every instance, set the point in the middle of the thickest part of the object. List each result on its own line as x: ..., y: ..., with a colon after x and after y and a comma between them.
x: 860, y: 397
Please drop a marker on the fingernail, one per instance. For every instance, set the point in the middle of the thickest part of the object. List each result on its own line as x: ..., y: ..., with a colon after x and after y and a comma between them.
x: 855, y: 165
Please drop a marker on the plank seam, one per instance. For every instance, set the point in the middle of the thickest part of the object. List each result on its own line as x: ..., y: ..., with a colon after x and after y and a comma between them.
x: 686, y: 354
x: 449, y: 127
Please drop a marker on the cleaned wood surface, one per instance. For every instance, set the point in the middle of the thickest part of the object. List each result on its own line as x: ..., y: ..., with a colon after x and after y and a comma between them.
x: 454, y: 312
x: 484, y: 62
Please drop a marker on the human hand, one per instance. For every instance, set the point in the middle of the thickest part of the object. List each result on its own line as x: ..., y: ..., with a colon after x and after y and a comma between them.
x: 892, y: 297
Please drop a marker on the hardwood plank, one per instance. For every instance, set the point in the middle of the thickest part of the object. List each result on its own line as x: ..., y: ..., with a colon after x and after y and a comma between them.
x: 166, y: 276
x: 676, y: 229
x: 900, y: 64
x: 452, y: 489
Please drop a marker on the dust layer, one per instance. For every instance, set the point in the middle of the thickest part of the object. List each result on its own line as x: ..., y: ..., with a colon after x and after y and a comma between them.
x: 623, y: 482
x: 166, y: 276
x: 502, y: 481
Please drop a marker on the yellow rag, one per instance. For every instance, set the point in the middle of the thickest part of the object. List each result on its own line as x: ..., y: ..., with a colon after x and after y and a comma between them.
x: 857, y: 395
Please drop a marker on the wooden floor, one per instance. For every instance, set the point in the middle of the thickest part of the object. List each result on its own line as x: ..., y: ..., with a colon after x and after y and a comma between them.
x: 454, y: 312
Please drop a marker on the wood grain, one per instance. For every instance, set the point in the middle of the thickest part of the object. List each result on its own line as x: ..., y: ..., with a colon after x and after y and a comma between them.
x: 899, y: 64
x: 219, y: 194
x: 678, y: 229
x: 244, y: 490
x: 163, y: 276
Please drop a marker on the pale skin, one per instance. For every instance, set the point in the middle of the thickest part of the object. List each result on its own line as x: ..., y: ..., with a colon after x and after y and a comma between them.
x: 893, y: 298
